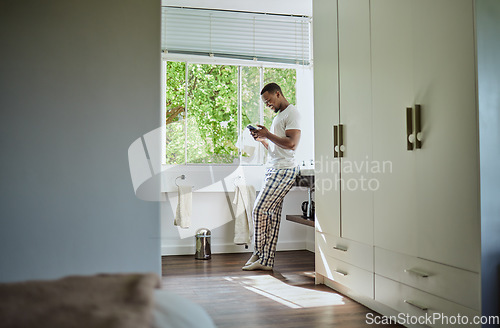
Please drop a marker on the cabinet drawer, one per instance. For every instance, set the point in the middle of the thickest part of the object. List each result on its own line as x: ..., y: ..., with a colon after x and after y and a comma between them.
x: 457, y: 285
x: 417, y: 304
x: 357, y: 280
x: 358, y: 254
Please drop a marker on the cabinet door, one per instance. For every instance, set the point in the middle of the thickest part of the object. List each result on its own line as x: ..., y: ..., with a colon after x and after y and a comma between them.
x: 357, y: 184
x: 326, y: 115
x: 447, y: 165
x: 395, y: 215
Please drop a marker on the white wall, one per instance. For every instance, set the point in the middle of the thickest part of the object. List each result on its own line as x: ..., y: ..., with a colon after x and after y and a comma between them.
x: 79, y: 82
x: 213, y: 211
x: 305, y: 104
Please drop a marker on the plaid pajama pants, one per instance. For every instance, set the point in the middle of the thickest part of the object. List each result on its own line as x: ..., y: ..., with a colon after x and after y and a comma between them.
x: 267, y: 212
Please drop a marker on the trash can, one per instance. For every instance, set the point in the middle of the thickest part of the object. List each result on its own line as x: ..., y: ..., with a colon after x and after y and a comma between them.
x: 203, y: 244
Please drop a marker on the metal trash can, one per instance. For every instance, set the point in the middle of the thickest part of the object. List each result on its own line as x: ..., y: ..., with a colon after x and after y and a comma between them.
x: 203, y: 251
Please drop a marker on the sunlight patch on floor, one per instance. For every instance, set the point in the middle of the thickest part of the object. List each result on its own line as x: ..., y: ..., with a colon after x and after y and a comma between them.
x: 291, y: 296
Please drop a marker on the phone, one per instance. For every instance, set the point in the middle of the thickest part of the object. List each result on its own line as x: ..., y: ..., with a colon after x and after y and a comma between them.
x: 251, y: 127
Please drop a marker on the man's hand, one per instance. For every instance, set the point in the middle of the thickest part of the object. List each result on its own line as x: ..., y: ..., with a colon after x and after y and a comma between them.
x: 260, y: 134
x: 290, y: 141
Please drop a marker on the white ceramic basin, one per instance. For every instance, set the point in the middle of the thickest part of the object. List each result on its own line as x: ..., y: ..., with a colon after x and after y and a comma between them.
x: 306, y: 171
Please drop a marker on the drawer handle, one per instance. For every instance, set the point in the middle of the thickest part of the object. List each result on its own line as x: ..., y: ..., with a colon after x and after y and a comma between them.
x: 340, y: 248
x: 418, y: 129
x: 418, y: 306
x: 341, y: 140
x: 335, y: 141
x: 342, y: 273
x: 417, y: 272
x: 409, y: 128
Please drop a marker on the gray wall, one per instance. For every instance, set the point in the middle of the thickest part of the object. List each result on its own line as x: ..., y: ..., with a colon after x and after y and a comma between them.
x: 488, y: 44
x: 79, y: 82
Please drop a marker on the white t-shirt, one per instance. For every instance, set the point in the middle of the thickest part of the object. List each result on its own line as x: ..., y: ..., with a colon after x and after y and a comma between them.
x: 278, y: 157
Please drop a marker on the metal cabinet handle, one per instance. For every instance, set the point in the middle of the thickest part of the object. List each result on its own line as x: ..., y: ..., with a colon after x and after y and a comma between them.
x: 418, y: 306
x: 409, y: 128
x: 418, y: 130
x: 342, y: 273
x: 341, y: 140
x: 340, y: 248
x: 335, y: 142
x: 417, y: 272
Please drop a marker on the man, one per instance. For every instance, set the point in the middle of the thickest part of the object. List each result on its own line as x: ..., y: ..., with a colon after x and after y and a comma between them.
x: 280, y: 140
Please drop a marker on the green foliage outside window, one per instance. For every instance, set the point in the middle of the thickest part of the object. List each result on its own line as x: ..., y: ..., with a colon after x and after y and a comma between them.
x: 286, y: 79
x: 176, y: 91
x: 212, y: 114
x: 212, y: 134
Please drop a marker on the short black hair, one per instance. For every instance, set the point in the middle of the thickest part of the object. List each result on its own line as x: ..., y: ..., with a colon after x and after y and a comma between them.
x: 271, y: 88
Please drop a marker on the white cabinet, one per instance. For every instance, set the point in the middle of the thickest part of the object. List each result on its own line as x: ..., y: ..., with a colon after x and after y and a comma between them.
x: 399, y: 77
x: 327, y: 196
x: 448, y: 163
x: 357, y: 178
x: 344, y: 199
x: 423, y: 54
x: 357, y: 281
x: 349, y: 251
x: 344, y: 195
x: 395, y: 206
x: 457, y: 285
x: 414, y: 304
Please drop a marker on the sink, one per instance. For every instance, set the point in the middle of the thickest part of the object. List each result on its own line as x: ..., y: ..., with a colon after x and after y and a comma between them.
x: 306, y: 171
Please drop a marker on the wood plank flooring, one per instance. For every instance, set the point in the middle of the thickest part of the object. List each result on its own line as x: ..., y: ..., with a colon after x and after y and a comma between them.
x: 286, y: 297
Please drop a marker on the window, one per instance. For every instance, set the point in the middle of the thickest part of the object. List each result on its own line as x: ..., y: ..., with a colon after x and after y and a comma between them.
x: 208, y: 107
x: 216, y: 63
x: 237, y: 35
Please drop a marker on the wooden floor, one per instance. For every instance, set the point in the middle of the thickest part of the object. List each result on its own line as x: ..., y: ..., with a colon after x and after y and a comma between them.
x: 286, y: 297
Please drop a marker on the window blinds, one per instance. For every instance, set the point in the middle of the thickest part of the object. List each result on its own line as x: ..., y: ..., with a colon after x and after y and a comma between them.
x: 241, y: 35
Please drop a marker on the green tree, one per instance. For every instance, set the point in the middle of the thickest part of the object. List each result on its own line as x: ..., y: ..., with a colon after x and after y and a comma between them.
x: 212, y: 113
x: 212, y: 109
x: 286, y: 78
x: 175, y: 98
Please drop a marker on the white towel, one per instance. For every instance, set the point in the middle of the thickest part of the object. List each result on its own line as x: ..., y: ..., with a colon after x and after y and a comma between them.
x: 244, y: 199
x: 184, y: 207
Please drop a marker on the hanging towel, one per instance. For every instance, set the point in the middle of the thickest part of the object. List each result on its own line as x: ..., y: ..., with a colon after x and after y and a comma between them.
x: 244, y: 198
x: 184, y: 207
